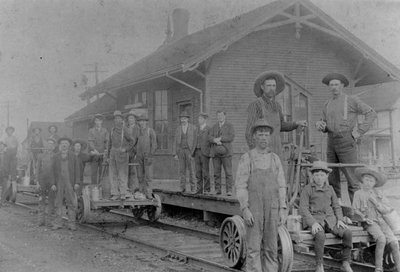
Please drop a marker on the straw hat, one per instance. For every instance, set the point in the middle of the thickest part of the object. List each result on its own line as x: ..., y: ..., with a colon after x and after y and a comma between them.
x: 279, y: 78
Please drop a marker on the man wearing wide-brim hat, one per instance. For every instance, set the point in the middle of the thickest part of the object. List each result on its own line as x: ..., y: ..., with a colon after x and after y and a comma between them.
x: 375, y: 213
x: 11, y: 153
x: 340, y: 120
x: 321, y: 213
x: 120, y: 145
x: 266, y: 87
x: 183, y: 149
x: 133, y: 129
x: 261, y: 192
x: 98, y: 137
x: 145, y: 148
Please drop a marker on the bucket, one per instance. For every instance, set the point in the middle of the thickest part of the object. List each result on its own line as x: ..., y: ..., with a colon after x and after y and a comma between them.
x: 393, y: 220
x: 95, y: 193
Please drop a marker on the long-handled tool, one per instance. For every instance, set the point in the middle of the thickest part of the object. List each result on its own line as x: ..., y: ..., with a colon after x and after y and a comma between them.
x: 298, y: 168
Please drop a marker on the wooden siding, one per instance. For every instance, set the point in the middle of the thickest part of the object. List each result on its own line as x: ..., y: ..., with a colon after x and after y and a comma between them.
x: 232, y: 73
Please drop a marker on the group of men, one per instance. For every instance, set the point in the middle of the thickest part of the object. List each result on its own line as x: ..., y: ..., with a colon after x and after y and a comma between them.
x: 260, y: 179
x: 202, y: 143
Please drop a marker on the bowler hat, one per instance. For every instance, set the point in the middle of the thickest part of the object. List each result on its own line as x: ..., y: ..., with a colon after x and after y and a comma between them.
x: 98, y: 116
x: 142, y: 117
x: 54, y: 126
x: 81, y: 142
x: 279, y: 78
x: 203, y: 114
x: 220, y: 150
x: 10, y: 127
x: 320, y: 165
x: 261, y: 123
x: 33, y: 129
x: 184, y: 114
x: 380, y: 178
x: 337, y: 76
x: 117, y: 113
x: 64, y: 139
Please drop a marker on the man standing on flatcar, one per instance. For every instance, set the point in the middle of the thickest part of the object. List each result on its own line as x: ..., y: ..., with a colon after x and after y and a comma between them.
x: 261, y: 192
x: 202, y: 155
x: 133, y: 129
x: 183, y: 149
x: 97, y: 138
x: 339, y: 120
x: 266, y: 87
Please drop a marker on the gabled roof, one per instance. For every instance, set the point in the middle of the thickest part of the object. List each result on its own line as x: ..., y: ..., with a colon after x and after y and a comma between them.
x: 381, y: 97
x: 105, y: 104
x: 187, y: 53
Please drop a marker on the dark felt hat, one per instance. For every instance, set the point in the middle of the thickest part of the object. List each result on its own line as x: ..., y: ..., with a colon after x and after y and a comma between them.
x: 98, y: 116
x: 82, y: 142
x: 35, y: 128
x: 184, y: 114
x: 380, y: 178
x: 279, y: 78
x: 131, y: 113
x: 51, y: 127
x: 64, y: 139
x: 220, y: 150
x: 142, y: 117
x: 117, y: 113
x: 320, y: 165
x: 10, y: 127
x: 337, y: 76
x: 262, y: 123
x: 204, y: 115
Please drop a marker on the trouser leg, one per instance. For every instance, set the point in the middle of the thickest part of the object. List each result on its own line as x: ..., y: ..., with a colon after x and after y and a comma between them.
x: 189, y: 165
x: 394, y: 246
x: 346, y: 151
x: 147, y: 190
x: 5, y: 190
x: 319, y: 242
x: 95, y: 169
x: 205, y: 167
x: 72, y: 205
x: 253, y: 242
x: 114, y: 175
x: 42, y: 207
x: 140, y: 171
x: 198, y: 169
x: 217, y: 174
x: 227, y: 164
x: 269, y: 252
x: 182, y: 169
x: 123, y: 176
x: 347, y: 240
x: 331, y: 157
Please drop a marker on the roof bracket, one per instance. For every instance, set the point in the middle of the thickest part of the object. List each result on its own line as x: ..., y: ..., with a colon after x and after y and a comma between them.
x: 189, y: 86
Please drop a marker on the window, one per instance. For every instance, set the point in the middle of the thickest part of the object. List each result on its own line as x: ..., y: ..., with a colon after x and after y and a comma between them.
x: 295, y: 106
x: 161, y: 119
x: 138, y: 97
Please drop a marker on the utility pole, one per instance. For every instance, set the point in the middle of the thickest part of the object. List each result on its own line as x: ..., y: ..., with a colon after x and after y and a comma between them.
x: 7, y: 104
x: 96, y: 72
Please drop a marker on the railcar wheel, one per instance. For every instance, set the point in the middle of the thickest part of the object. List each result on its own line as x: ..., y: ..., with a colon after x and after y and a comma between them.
x: 285, y: 250
x: 388, y: 260
x: 138, y: 212
x: 83, y: 208
x: 154, y: 212
x: 13, y: 191
x: 233, y: 241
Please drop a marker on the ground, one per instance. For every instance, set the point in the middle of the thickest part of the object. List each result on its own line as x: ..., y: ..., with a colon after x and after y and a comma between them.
x: 26, y: 247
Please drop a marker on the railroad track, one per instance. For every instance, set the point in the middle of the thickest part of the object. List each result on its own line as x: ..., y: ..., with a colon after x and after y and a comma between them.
x: 186, y: 245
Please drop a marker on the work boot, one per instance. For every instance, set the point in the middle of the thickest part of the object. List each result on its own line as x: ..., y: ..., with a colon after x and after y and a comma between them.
x: 346, y: 267
x: 319, y: 268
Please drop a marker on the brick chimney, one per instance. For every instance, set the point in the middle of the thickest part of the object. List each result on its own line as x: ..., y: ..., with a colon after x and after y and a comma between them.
x: 180, y: 23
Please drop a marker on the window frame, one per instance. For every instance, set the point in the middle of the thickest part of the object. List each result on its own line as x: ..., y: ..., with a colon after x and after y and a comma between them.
x: 167, y: 133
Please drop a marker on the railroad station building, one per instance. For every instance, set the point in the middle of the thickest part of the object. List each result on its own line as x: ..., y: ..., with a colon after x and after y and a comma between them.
x: 215, y: 68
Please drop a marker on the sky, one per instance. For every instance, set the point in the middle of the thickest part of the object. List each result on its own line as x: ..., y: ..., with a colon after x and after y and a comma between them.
x: 46, y: 46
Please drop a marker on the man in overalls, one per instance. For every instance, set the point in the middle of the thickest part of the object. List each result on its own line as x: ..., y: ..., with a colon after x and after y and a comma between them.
x: 261, y: 192
x: 45, y: 177
x: 119, y: 146
x: 146, y: 147
x: 266, y: 87
x: 133, y: 129
x: 339, y: 120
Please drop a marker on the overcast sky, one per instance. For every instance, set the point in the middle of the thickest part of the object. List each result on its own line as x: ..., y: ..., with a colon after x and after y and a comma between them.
x: 47, y: 45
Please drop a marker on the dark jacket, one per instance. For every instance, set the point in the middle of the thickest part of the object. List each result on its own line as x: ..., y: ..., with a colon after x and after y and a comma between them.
x: 319, y: 205
x: 82, y: 158
x: 191, y: 134
x: 72, y: 165
x: 227, y: 134
x: 202, y: 140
